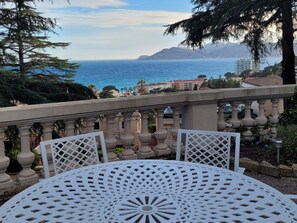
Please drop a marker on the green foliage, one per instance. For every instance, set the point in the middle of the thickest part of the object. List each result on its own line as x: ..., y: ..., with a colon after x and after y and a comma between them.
x: 289, y: 116
x: 118, y: 150
x: 246, y: 73
x: 202, y: 76
x: 247, y: 21
x: 107, y: 91
x: 167, y: 90
x: 106, y: 94
x: 229, y: 75
x: 79, y: 125
x: 24, y: 40
x: 12, y: 134
x: 272, y: 70
x: 109, y: 88
x: 141, y: 87
x: 222, y: 83
x: 59, y: 128
x: 16, y: 89
x: 287, y: 131
x: 288, y: 135
x: 152, y: 126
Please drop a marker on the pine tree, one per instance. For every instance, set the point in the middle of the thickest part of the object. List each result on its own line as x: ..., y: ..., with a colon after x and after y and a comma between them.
x: 24, y: 39
x: 253, y: 22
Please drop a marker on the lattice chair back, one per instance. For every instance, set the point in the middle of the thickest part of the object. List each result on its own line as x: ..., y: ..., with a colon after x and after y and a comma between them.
x: 72, y: 152
x: 208, y: 147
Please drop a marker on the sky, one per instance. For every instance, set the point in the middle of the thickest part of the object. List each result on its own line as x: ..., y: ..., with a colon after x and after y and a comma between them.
x: 114, y: 29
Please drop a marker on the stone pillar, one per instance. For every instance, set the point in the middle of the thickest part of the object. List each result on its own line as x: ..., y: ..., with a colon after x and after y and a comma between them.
x: 176, y: 126
x: 274, y: 118
x: 144, y: 137
x: 248, y: 122
x: 27, y: 176
x: 261, y: 119
x: 47, y: 135
x: 203, y: 117
x: 161, y: 148
x: 70, y: 129
x: 5, y: 180
x: 127, y: 139
x: 221, y: 119
x: 110, y: 140
x: 234, y: 120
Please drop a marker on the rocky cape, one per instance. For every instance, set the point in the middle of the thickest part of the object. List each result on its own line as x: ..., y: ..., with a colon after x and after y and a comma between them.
x: 229, y: 50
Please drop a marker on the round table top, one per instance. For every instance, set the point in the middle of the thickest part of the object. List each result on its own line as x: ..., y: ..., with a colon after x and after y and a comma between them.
x: 149, y: 191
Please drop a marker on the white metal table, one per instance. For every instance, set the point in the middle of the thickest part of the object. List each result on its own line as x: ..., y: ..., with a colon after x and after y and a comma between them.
x: 149, y: 191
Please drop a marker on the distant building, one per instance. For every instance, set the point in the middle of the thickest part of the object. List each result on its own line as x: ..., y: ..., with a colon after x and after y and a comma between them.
x: 262, y: 81
x: 270, y: 80
x: 246, y: 64
x: 187, y: 85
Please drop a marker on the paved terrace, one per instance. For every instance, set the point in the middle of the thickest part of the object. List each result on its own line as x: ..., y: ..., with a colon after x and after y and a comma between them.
x: 124, y: 121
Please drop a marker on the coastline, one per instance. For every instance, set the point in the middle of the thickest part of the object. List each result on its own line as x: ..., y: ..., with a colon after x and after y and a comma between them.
x: 126, y: 73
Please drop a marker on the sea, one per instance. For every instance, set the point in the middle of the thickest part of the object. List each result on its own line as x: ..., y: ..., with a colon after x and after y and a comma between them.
x: 126, y: 73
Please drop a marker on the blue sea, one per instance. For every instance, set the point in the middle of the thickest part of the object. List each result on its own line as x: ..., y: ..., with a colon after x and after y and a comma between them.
x: 126, y: 73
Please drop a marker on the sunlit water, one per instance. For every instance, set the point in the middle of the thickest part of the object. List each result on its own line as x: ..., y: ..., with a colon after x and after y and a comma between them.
x: 126, y: 73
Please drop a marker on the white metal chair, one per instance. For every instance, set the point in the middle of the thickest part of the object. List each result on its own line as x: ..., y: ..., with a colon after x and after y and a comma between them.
x: 208, y: 147
x: 72, y: 152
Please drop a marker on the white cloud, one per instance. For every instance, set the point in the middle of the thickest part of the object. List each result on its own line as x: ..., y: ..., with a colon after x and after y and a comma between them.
x: 111, y: 33
x: 127, y: 43
x: 47, y: 5
x: 117, y: 18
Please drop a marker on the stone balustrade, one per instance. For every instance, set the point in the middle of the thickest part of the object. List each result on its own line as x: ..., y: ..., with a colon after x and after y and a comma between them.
x: 125, y: 122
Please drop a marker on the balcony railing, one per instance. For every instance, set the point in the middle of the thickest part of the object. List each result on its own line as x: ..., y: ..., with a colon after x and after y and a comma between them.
x: 125, y: 122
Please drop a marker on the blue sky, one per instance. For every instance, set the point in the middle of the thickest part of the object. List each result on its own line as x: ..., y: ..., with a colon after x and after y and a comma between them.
x: 114, y: 29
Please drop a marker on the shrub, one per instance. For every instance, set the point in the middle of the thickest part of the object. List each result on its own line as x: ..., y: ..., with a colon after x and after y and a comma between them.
x: 288, y: 135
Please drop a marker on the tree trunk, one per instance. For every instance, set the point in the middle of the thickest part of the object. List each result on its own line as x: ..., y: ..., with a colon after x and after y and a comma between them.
x: 20, y: 41
x: 288, y: 60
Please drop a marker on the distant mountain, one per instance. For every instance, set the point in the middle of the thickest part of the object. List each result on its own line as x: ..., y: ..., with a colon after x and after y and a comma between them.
x: 220, y: 50
x: 175, y: 53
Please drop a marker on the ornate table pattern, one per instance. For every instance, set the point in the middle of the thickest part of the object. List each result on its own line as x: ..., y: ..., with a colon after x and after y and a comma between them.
x: 149, y: 191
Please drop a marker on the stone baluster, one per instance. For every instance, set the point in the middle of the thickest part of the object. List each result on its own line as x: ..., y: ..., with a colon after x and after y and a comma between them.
x: 70, y: 129
x: 221, y: 120
x: 117, y: 126
x: 135, y: 126
x: 234, y: 119
x: 161, y: 148
x: 144, y: 137
x: 248, y: 122
x: 261, y: 119
x: 274, y: 118
x: 27, y: 176
x: 47, y: 135
x: 5, y: 179
x: 110, y: 140
x: 176, y: 126
x: 90, y: 124
x: 127, y: 139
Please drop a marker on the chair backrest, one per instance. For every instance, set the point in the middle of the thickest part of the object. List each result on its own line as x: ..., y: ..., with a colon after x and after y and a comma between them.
x: 72, y: 152
x: 208, y: 147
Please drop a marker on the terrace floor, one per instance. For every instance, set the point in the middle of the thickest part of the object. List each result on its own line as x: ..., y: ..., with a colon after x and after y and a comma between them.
x: 287, y: 185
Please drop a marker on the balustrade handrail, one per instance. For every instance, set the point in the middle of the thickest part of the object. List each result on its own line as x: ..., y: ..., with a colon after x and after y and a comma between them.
x: 193, y: 110
x: 28, y: 114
